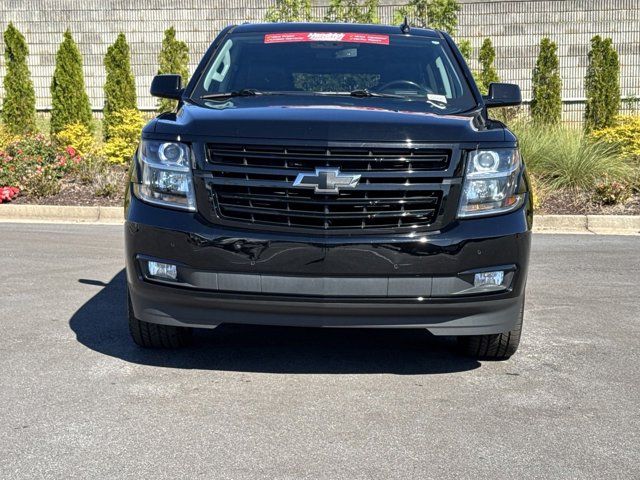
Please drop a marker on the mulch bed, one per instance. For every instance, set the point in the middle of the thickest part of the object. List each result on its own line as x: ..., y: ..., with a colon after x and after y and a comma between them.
x: 571, y: 203
x: 76, y: 194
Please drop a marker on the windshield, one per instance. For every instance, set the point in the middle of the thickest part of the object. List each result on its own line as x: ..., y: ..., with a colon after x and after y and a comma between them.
x: 404, y: 68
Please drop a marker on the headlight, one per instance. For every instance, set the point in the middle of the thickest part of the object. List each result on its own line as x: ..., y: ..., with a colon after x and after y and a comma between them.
x: 165, y: 175
x: 490, y: 183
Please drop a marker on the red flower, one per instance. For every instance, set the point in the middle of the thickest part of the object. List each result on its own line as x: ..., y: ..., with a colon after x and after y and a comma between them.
x: 71, y: 151
x: 8, y: 193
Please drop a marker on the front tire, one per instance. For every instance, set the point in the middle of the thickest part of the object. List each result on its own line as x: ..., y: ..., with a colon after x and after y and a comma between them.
x: 153, y: 335
x: 498, y: 346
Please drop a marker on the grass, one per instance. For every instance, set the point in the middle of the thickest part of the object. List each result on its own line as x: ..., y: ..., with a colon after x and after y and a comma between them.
x: 564, y: 157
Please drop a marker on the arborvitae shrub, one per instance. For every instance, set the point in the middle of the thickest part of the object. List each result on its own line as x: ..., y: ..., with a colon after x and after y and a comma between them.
x: 119, y: 87
x: 602, y: 85
x: 174, y: 58
x: 488, y: 73
x: 19, y: 106
x: 352, y: 11
x: 289, y: 11
x: 69, y: 99
x: 546, y: 105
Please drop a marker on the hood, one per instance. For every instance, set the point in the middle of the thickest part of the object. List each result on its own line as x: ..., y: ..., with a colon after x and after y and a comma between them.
x: 324, y: 119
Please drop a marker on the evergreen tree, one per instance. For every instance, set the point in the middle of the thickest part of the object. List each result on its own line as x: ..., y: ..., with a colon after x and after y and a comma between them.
x: 465, y: 49
x: 487, y: 74
x: 546, y: 105
x: 119, y: 87
x: 352, y: 11
x: 370, y: 14
x: 19, y: 106
x: 602, y: 85
x: 289, y: 11
x: 438, y: 14
x: 174, y: 58
x: 443, y: 15
x: 69, y: 99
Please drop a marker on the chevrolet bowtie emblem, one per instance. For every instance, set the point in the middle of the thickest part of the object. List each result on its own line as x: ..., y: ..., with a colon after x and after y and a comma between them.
x: 326, y: 180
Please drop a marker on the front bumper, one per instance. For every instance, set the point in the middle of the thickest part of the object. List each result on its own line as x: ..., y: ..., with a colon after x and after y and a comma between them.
x: 409, y: 280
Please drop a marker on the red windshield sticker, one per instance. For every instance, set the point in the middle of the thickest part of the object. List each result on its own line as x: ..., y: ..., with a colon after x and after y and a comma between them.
x: 292, y: 37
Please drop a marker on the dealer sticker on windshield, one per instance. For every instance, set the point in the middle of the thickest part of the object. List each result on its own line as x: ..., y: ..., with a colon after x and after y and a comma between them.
x: 292, y: 37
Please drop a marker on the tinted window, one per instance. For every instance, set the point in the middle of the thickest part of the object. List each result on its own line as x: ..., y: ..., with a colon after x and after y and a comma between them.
x: 416, y: 68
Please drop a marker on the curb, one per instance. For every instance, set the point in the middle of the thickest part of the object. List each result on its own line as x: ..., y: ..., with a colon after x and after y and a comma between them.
x: 61, y: 214
x: 590, y: 224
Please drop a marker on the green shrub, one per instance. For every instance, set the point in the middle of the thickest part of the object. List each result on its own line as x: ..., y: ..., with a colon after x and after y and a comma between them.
x: 69, y: 99
x: 351, y: 11
x: 487, y: 74
x: 119, y: 87
x: 564, y: 157
x: 289, y: 11
x: 174, y: 58
x: 546, y: 105
x: 125, y: 136
x: 602, y: 85
x: 19, y: 106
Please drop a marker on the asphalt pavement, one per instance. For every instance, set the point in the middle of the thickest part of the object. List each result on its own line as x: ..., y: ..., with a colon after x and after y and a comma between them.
x: 79, y: 400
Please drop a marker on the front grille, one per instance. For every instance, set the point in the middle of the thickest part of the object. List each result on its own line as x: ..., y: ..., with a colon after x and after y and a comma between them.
x: 399, y: 187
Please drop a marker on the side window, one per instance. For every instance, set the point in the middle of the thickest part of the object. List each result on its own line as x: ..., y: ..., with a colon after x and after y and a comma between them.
x: 220, y: 67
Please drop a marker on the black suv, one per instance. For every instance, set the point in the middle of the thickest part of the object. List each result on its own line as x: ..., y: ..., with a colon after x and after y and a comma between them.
x: 329, y: 175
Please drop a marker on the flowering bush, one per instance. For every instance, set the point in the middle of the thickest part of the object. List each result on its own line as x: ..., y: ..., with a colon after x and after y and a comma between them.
x: 8, y: 193
x: 34, y: 164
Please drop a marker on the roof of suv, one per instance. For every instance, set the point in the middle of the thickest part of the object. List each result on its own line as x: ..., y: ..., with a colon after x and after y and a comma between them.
x: 331, y: 27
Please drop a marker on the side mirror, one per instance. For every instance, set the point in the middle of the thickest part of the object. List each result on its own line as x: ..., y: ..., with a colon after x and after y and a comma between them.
x: 503, y: 95
x: 167, y: 86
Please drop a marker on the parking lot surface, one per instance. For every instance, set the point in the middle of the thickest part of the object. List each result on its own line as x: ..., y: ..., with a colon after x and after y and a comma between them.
x: 79, y: 400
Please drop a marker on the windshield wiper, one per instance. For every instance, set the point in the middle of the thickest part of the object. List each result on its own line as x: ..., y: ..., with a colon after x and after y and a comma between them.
x: 366, y: 93
x: 361, y: 93
x: 244, y: 92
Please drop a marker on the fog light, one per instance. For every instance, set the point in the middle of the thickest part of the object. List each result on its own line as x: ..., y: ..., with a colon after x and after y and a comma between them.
x: 162, y: 270
x: 485, y: 279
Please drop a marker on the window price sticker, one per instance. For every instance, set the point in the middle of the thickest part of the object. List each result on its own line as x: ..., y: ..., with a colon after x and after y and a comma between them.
x: 293, y: 37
